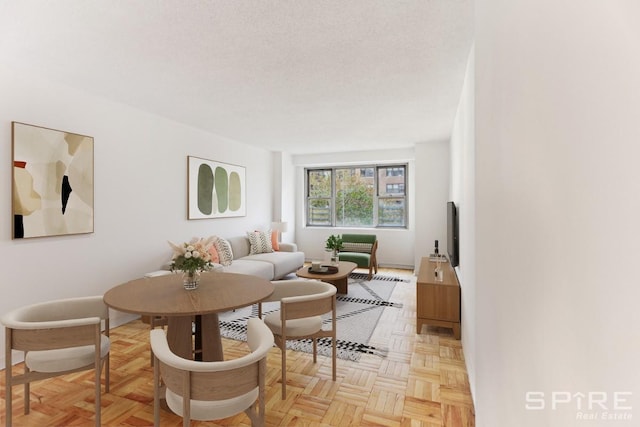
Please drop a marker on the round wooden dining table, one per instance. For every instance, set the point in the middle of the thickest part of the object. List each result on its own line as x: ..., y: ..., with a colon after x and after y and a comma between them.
x: 166, y: 296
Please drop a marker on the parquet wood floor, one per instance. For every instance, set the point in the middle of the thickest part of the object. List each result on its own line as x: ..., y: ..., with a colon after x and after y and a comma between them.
x: 422, y: 383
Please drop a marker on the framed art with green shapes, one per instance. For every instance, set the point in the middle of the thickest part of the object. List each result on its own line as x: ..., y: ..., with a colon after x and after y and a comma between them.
x: 215, y: 189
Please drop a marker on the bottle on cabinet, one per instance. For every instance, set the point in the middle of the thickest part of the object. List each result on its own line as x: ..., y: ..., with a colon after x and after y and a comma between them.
x: 437, y: 272
x: 435, y: 256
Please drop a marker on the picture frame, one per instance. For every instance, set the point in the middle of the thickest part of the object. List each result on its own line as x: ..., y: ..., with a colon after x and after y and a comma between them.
x: 52, y: 182
x: 215, y: 189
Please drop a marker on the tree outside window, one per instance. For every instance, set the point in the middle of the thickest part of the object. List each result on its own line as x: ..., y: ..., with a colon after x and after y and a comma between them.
x: 320, y: 197
x: 354, y: 197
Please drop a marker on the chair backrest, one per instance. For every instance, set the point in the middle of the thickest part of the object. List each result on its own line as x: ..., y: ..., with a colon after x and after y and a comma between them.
x: 56, y: 324
x: 293, y: 288
x: 213, y: 381
x: 313, y: 299
x: 303, y: 298
x: 364, y: 243
x: 62, y: 309
x: 359, y: 238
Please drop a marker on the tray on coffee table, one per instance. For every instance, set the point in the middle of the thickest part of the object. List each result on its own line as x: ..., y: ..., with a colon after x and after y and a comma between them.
x: 324, y: 269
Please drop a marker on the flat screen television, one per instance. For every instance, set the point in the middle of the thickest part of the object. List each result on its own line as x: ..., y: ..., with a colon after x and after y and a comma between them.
x: 452, y: 234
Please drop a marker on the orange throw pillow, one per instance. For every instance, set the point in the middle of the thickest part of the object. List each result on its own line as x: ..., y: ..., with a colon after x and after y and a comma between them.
x: 274, y: 241
x: 215, y: 258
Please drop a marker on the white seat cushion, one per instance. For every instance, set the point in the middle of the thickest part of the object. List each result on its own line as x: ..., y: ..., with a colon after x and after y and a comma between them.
x: 65, y: 359
x: 296, y: 327
x: 255, y: 268
x: 212, y: 410
x: 283, y: 262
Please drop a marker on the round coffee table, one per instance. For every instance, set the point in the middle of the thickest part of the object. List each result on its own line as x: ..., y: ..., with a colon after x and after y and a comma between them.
x: 338, y: 279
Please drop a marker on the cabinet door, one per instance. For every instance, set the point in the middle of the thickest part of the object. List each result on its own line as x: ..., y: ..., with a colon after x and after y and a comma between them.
x: 438, y: 302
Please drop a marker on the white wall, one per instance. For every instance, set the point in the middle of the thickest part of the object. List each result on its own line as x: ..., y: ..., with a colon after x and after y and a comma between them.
x: 140, y: 193
x: 557, y: 207
x: 284, y: 193
x: 432, y: 194
x: 463, y: 194
x: 395, y: 247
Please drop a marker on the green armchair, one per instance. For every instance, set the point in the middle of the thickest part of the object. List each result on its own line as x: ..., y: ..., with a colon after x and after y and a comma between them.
x: 361, y: 249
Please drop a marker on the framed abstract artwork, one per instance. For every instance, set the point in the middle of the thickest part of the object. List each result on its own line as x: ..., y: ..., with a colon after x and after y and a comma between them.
x: 215, y: 190
x: 52, y: 182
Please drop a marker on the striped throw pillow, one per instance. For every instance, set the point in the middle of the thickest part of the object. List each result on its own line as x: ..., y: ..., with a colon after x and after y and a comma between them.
x: 260, y: 242
x: 356, y: 247
x: 224, y: 251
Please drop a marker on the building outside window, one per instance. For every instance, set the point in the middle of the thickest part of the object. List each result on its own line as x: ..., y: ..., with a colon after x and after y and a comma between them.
x: 363, y: 196
x: 394, y: 171
x: 395, y: 188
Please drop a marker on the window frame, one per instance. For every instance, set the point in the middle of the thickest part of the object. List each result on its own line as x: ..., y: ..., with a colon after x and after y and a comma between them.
x: 377, y: 197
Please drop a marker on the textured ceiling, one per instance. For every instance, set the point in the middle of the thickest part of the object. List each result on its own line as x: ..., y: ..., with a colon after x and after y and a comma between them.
x: 301, y: 76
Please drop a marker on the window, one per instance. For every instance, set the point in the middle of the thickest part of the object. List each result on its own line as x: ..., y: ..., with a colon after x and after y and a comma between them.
x: 364, y: 196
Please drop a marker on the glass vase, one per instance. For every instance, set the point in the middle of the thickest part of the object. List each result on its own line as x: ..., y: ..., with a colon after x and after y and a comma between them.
x: 191, y: 279
x: 334, y: 257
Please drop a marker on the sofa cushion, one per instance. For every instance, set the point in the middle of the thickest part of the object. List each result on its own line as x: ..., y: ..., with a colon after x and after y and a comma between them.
x: 251, y: 267
x: 240, y: 246
x: 288, y: 247
x: 260, y: 242
x: 283, y: 262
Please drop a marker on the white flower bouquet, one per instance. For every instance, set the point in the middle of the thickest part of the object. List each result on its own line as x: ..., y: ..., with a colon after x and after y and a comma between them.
x: 193, y: 256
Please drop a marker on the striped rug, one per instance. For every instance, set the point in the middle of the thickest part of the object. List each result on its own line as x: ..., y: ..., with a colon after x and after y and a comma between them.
x: 358, y: 313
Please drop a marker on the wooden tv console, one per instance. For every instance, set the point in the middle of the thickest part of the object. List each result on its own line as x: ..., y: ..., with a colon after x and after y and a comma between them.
x: 438, y: 303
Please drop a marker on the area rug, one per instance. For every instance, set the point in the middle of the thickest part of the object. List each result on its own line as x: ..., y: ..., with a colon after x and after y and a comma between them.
x: 357, y: 315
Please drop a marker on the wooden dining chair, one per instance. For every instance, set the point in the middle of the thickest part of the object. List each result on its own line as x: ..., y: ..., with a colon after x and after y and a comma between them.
x: 302, y: 304
x: 57, y: 337
x: 212, y: 390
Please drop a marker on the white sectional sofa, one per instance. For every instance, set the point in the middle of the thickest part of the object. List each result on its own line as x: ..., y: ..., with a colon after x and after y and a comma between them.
x: 271, y: 266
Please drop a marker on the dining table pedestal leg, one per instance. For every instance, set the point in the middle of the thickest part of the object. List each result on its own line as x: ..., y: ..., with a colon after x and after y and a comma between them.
x: 179, y: 333
x: 211, y: 342
x: 208, y: 343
